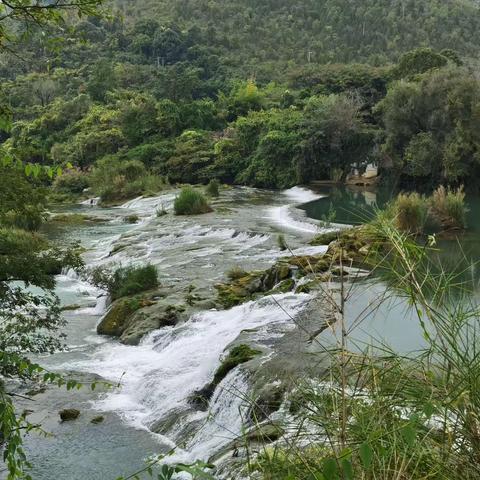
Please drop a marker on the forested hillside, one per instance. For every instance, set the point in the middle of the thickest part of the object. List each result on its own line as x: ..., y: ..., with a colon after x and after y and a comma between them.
x: 256, y: 33
x: 268, y: 94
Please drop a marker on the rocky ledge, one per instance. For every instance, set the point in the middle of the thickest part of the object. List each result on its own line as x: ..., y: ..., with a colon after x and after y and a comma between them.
x: 347, y: 250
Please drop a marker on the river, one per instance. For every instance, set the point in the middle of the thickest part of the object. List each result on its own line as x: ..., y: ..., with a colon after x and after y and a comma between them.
x: 156, y: 378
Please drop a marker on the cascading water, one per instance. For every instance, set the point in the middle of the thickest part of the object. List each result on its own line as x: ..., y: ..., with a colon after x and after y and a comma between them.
x: 159, y: 375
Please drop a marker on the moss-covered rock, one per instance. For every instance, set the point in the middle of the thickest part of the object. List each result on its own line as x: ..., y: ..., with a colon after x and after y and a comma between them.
x: 116, y: 319
x: 240, y: 290
x: 74, y: 219
x: 285, y: 286
x: 67, y: 308
x: 97, y: 420
x: 147, y: 320
x: 353, y: 247
x: 69, y: 414
x: 237, y: 356
x: 324, y: 238
x: 266, y: 401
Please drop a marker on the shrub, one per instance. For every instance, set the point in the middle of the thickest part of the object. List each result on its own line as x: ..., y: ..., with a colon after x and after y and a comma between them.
x: 411, y: 212
x: 125, y: 281
x: 71, y: 181
x: 131, y: 219
x: 448, y: 207
x: 235, y: 273
x: 213, y: 188
x: 161, y: 211
x: 114, y: 179
x: 191, y: 202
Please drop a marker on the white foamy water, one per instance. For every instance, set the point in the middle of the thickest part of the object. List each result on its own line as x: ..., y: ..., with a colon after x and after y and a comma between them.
x: 91, y: 201
x: 158, y: 376
x: 290, y: 218
x: 299, y: 195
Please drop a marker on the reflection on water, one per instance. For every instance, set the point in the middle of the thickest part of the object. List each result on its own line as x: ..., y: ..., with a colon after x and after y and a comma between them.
x: 458, y: 253
x: 352, y: 205
x: 394, y: 322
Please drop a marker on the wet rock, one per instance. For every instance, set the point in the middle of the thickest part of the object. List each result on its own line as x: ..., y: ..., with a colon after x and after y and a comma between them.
x: 280, y: 278
x: 285, y: 286
x: 69, y: 414
x: 236, y: 356
x: 115, y: 320
x: 37, y: 391
x: 67, y: 308
x: 97, y: 420
x: 267, y: 401
x: 353, y: 247
x: 147, y: 320
x: 240, y: 290
x: 324, y: 238
x: 265, y: 433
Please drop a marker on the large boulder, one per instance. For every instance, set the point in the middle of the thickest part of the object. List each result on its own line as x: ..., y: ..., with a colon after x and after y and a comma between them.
x: 116, y: 319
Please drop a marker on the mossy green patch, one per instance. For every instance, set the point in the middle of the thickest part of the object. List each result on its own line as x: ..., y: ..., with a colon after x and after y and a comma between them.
x: 115, y: 320
x: 237, y: 355
x: 324, y: 238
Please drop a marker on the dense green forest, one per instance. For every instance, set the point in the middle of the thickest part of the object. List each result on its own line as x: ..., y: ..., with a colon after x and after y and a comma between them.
x: 268, y: 95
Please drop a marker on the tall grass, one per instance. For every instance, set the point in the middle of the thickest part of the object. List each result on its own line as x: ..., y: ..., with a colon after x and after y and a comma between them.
x: 417, y: 214
x: 378, y: 415
x: 411, y: 212
x: 448, y: 206
x: 191, y: 202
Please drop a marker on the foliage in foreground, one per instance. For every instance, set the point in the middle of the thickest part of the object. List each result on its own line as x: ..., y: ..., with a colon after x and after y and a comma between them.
x: 30, y: 310
x: 190, y: 202
x: 377, y: 414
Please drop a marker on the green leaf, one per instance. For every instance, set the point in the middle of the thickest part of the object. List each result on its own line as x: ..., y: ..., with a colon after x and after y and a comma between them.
x: 347, y: 469
x: 330, y: 469
x: 409, y: 434
x: 366, y: 455
x: 428, y: 409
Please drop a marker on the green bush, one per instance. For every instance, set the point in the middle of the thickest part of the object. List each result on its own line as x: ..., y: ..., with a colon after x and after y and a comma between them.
x: 190, y: 202
x: 213, y: 188
x: 71, y: 181
x: 131, y: 219
x: 448, y: 207
x: 131, y: 280
x: 125, y: 281
x: 236, y: 272
x: 114, y: 179
x: 411, y: 212
x: 417, y: 214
